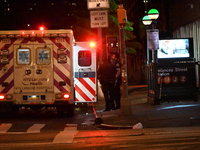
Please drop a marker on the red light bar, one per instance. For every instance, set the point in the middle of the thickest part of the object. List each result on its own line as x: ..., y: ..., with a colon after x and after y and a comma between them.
x: 41, y: 28
x: 92, y: 44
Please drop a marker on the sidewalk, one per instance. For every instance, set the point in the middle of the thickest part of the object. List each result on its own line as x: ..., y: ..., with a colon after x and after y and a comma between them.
x: 176, y: 114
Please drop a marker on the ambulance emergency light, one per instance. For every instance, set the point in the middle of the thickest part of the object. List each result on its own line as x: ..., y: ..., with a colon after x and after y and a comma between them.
x: 175, y: 48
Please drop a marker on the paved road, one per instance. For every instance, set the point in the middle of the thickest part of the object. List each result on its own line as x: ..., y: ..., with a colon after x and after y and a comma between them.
x: 45, y: 130
x: 72, y: 138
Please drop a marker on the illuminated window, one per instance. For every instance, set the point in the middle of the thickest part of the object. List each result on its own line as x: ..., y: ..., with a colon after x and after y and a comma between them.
x: 23, y: 56
x: 43, y: 56
x: 84, y: 58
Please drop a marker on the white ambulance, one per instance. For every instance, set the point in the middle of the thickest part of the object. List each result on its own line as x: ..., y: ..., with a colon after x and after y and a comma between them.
x: 45, y: 69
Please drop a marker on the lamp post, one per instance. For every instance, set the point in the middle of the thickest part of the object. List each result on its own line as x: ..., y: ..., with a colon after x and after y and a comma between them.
x: 152, y: 65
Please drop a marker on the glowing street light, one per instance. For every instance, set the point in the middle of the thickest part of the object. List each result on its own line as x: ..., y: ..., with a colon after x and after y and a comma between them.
x: 146, y: 20
x: 153, y: 14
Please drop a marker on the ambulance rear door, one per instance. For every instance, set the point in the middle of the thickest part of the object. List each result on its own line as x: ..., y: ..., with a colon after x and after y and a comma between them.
x: 85, y: 76
x: 33, y: 68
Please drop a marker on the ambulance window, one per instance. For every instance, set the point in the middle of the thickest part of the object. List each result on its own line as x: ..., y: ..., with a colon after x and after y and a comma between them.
x: 23, y: 56
x: 84, y: 58
x: 43, y: 56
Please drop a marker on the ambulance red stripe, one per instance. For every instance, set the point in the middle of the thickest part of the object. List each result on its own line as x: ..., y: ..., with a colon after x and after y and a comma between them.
x: 87, y: 86
x: 62, y: 75
x: 7, y: 74
x: 6, y: 89
x: 61, y: 88
x: 82, y: 93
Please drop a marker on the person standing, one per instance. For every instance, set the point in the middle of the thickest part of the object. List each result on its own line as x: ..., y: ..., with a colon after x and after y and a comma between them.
x: 117, y: 92
x: 106, y: 74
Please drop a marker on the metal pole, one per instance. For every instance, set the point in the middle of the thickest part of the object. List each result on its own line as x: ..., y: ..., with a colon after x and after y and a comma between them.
x: 123, y: 62
x: 125, y: 101
x: 100, y: 48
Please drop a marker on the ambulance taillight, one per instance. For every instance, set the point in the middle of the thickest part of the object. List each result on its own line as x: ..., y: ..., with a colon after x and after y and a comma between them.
x: 2, y: 97
x: 66, y: 96
x: 62, y: 96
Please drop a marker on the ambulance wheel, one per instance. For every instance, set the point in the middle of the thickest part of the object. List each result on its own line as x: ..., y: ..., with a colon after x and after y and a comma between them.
x: 65, y: 110
x: 15, y: 109
x: 61, y: 113
x: 69, y: 113
x: 8, y: 109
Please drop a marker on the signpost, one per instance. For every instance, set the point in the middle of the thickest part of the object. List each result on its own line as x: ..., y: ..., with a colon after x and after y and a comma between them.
x: 152, y: 46
x: 153, y: 39
x: 97, y: 4
x: 99, y: 19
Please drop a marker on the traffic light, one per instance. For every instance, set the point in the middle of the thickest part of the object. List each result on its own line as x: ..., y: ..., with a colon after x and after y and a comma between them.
x: 112, y: 44
x: 121, y: 14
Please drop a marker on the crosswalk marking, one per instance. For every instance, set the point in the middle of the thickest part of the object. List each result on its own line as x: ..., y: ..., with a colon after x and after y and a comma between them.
x: 5, y: 127
x: 67, y: 135
x: 35, y: 128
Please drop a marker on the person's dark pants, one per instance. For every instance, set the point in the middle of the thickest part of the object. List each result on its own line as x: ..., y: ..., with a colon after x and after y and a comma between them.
x: 108, y: 91
x: 117, y: 96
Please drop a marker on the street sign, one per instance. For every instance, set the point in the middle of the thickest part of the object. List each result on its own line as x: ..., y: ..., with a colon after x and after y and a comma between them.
x: 98, y: 4
x: 153, y: 39
x: 99, y: 19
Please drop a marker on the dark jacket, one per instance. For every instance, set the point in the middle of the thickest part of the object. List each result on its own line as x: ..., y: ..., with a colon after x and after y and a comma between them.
x: 106, y: 73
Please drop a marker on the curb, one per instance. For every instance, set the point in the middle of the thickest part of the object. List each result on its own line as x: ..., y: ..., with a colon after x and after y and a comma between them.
x: 106, y: 126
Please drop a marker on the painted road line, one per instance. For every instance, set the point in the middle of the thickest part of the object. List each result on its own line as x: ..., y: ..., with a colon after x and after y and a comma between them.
x: 67, y: 135
x: 5, y: 127
x: 35, y: 128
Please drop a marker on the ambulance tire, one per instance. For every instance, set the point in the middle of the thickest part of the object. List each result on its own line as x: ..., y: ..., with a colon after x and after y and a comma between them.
x: 70, y: 111
x: 15, y: 109
x: 65, y: 110
x: 61, y: 113
x: 8, y: 109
